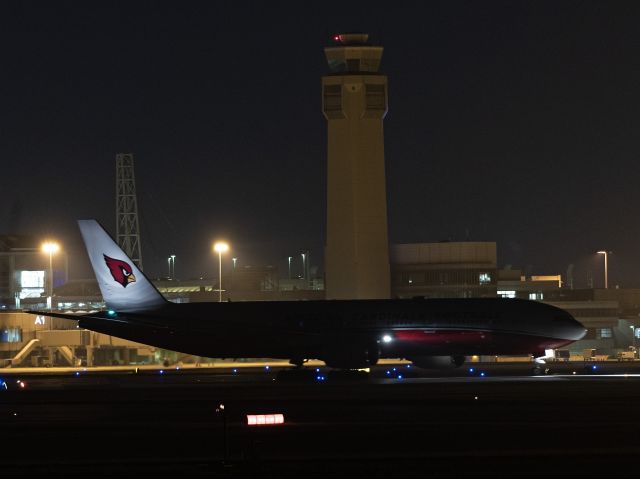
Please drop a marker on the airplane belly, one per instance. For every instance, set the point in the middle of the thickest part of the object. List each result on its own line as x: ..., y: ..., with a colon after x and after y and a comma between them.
x: 218, y: 344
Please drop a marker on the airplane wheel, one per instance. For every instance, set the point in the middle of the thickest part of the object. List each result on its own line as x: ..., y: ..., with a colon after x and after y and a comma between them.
x: 297, y: 362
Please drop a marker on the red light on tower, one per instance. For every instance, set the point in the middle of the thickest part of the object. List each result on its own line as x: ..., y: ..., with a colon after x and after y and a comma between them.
x: 336, y: 38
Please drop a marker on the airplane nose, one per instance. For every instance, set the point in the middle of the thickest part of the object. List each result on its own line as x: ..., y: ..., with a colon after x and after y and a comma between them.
x: 569, y: 328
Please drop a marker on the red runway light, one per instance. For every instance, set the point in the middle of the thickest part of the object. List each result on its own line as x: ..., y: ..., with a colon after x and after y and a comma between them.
x: 264, y: 419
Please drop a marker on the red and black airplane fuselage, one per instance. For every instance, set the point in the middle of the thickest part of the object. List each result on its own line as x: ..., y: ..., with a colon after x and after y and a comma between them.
x: 347, y: 333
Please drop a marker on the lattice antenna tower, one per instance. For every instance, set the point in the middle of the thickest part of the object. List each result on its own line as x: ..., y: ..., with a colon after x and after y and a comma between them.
x: 127, y: 226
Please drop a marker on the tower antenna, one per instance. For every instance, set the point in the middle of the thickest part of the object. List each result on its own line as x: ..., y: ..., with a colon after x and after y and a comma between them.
x: 127, y: 225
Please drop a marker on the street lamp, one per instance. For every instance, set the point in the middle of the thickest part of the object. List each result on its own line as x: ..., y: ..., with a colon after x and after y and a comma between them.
x: 290, y: 258
x: 51, y: 248
x: 171, y: 262
x: 220, y: 247
x: 304, y: 265
x: 606, y: 268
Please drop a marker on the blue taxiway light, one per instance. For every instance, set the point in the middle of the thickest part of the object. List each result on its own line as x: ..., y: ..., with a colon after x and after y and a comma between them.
x: 482, y: 374
x: 111, y: 312
x: 161, y: 371
x: 234, y: 370
x: 471, y: 370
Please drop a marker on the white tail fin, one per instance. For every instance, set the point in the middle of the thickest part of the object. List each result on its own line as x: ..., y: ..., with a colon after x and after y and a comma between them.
x: 124, y: 287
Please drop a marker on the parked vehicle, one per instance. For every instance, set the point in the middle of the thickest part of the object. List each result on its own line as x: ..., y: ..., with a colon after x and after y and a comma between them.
x: 629, y: 355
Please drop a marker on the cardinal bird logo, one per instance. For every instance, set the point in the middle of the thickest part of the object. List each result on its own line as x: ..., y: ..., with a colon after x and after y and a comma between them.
x: 120, y: 270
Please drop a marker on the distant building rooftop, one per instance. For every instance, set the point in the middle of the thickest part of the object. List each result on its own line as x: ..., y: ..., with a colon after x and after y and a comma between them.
x: 9, y: 243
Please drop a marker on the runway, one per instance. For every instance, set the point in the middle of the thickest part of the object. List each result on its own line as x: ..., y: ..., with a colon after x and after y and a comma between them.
x: 496, y: 425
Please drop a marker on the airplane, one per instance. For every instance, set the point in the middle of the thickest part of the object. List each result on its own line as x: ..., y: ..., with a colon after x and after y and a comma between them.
x: 345, y: 334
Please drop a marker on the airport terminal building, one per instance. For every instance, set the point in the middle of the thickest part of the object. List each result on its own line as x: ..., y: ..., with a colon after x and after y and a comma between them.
x: 26, y: 271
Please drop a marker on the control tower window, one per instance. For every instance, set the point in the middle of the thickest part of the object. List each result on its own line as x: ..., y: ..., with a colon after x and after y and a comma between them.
x: 353, y: 65
x: 375, y: 97
x: 332, y: 99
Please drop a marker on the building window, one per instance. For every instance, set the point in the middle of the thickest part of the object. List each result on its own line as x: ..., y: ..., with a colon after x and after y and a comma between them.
x: 604, y: 333
x: 536, y: 296
x: 375, y: 97
x: 11, y: 335
x: 32, y: 279
x: 31, y: 284
x: 332, y: 100
x: 507, y: 294
x: 484, y: 278
x: 353, y: 64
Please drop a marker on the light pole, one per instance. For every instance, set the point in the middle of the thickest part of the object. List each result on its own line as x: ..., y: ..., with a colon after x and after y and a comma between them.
x: 220, y: 247
x: 606, y: 268
x: 304, y: 265
x: 290, y: 258
x: 50, y: 247
x: 173, y: 266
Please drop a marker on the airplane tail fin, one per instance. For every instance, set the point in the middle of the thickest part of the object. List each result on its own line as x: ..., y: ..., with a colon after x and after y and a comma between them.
x: 124, y: 287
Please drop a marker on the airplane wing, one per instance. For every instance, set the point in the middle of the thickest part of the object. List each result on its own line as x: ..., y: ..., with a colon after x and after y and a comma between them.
x: 103, y: 316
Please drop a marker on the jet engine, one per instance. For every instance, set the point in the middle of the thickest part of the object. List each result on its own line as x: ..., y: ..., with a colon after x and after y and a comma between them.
x: 438, y: 362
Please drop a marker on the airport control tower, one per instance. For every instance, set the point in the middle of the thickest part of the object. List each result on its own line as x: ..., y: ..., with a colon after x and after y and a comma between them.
x: 354, y: 102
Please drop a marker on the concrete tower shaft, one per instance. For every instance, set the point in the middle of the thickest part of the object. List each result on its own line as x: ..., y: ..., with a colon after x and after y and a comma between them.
x: 355, y: 103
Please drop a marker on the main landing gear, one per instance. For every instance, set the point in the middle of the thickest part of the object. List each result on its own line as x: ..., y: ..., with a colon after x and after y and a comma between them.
x: 540, y: 367
x: 298, y: 362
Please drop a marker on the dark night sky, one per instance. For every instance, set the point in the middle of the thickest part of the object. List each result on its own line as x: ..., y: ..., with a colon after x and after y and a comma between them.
x: 509, y: 121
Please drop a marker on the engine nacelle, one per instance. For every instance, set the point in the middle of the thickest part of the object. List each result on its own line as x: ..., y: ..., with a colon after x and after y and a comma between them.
x: 438, y: 362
